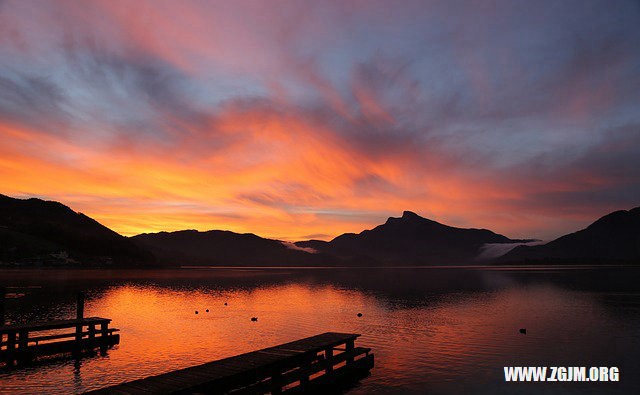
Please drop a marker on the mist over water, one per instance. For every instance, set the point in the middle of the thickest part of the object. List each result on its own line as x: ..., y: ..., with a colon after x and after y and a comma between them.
x: 495, y: 250
x: 431, y: 330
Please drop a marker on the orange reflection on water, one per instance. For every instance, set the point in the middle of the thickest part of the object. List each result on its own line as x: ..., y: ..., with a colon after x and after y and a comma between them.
x: 160, y: 330
x: 423, y: 338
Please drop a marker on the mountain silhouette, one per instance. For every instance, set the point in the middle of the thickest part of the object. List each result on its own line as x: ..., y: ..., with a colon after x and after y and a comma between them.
x: 35, y: 232
x: 410, y: 240
x: 614, y: 238
x: 38, y: 232
x: 222, y: 248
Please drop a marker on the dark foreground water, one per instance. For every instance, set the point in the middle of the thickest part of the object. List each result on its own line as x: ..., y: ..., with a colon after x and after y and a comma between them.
x: 432, y: 330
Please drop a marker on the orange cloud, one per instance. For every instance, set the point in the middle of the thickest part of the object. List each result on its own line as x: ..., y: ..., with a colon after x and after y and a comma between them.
x: 290, y: 121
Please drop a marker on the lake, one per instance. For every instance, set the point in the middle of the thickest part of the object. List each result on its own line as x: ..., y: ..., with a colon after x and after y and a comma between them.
x: 436, y: 330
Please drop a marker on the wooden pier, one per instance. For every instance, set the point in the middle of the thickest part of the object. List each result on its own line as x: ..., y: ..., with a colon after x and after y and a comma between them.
x: 313, y: 364
x: 22, y: 343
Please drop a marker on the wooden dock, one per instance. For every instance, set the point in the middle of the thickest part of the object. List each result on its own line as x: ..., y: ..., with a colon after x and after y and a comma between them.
x: 315, y: 363
x: 23, y: 343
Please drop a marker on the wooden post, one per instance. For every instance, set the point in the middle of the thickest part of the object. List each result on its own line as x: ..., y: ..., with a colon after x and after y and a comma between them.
x: 304, y: 371
x: 80, y: 306
x: 2, y: 293
x: 328, y: 356
x: 79, y: 316
x: 23, y: 340
x: 11, y: 346
x: 276, y: 383
x: 104, y: 332
x: 349, y: 348
x: 92, y: 333
x: 23, y: 343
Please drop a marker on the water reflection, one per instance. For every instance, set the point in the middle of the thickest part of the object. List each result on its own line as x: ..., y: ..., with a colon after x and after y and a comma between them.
x: 432, y: 330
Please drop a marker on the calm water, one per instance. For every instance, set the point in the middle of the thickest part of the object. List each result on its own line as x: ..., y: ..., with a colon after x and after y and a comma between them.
x: 432, y: 330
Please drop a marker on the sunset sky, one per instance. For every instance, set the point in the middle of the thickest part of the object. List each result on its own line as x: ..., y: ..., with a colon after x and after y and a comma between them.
x: 307, y: 119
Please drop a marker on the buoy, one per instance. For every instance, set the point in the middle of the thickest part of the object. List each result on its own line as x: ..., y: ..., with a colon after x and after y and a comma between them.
x: 196, y: 311
x: 523, y: 331
x: 225, y: 303
x: 254, y: 318
x: 207, y: 310
x: 359, y: 314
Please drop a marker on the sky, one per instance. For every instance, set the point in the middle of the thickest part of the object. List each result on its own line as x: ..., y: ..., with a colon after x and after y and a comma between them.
x: 307, y: 119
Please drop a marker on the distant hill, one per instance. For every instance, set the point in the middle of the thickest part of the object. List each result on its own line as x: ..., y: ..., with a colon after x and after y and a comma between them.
x: 614, y: 238
x: 38, y: 232
x: 224, y: 248
x: 410, y: 240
